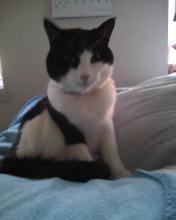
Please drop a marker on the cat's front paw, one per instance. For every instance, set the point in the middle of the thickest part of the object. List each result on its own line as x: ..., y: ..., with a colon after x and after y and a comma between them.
x: 124, y: 173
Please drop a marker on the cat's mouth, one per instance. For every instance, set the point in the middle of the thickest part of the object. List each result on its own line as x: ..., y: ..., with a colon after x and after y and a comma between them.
x: 88, y: 87
x: 82, y: 88
x: 84, y: 84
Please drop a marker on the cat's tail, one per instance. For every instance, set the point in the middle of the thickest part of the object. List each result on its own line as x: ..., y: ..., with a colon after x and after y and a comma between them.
x: 79, y: 171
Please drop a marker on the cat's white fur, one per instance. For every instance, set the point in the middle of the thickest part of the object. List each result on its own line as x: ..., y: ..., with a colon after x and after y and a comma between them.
x: 89, y: 105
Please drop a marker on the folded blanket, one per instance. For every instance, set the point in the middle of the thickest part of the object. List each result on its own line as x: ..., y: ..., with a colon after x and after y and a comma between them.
x: 8, y: 136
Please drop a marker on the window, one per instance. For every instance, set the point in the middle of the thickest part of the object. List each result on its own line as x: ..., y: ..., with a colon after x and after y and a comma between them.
x: 1, y: 79
x: 2, y: 91
x: 171, y: 36
x: 171, y: 23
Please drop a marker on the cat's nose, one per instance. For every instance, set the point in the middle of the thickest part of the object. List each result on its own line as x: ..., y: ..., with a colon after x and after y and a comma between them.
x: 85, y: 77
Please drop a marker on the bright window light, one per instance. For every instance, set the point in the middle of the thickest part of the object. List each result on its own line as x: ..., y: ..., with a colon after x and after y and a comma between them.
x: 1, y: 79
x: 171, y: 23
x: 171, y: 32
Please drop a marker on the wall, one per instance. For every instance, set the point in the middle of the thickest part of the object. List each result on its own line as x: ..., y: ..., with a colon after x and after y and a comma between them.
x: 139, y: 43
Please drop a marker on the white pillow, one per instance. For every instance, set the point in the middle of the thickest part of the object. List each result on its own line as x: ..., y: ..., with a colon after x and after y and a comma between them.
x: 145, y: 124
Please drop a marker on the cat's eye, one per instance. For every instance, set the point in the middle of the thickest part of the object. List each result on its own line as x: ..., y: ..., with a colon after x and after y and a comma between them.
x: 72, y: 60
x: 68, y: 58
x: 95, y: 58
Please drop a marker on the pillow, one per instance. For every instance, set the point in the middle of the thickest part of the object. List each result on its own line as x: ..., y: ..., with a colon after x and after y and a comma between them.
x: 145, y: 124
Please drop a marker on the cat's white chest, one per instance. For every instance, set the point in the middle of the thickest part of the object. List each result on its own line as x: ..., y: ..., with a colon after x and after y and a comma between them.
x: 87, y: 112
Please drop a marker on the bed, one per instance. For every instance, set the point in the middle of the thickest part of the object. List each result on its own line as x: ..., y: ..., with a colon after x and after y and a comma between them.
x: 145, y: 124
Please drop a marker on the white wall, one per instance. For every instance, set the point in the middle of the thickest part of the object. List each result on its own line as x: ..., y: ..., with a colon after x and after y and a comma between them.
x: 139, y: 43
x: 140, y: 40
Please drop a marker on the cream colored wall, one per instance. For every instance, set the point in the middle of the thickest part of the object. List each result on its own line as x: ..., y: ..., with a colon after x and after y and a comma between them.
x: 139, y: 43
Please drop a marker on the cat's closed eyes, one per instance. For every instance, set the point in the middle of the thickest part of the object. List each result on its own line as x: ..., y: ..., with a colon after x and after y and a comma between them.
x: 70, y: 128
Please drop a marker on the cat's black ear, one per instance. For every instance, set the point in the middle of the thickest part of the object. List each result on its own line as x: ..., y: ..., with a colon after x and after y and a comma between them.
x: 52, y: 30
x: 104, y: 31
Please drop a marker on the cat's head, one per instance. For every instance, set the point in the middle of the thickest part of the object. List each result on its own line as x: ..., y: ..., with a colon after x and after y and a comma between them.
x: 80, y: 61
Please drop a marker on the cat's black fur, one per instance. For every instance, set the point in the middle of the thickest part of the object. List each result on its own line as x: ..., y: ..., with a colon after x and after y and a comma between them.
x: 71, y: 133
x: 65, y: 49
x: 37, y: 168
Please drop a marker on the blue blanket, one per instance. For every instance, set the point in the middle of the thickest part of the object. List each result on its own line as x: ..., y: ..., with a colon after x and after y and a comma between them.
x: 144, y: 196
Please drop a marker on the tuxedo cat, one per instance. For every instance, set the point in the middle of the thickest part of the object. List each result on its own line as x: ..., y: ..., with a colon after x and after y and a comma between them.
x: 70, y: 132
